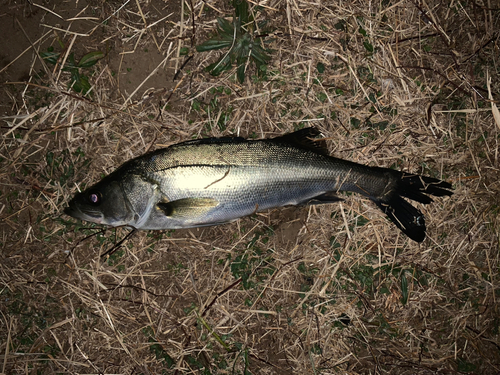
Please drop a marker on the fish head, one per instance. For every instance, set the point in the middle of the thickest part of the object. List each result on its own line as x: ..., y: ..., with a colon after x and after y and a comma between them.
x: 104, y: 203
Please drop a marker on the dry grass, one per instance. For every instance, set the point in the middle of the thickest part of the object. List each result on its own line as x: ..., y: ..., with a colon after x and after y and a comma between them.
x: 320, y: 290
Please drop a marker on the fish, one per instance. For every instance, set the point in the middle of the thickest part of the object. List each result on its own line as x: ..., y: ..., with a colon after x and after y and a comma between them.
x: 212, y: 181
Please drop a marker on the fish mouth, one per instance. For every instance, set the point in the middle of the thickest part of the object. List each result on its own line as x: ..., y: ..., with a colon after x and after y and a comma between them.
x: 69, y: 211
x: 75, y: 212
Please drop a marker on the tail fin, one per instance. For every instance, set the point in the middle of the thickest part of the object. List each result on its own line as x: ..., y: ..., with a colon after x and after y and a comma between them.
x: 406, y: 217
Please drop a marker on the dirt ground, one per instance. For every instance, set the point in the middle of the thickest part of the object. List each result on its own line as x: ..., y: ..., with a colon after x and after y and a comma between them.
x: 330, y: 289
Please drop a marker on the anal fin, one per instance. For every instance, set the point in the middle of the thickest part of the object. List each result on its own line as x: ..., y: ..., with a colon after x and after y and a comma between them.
x: 328, y: 197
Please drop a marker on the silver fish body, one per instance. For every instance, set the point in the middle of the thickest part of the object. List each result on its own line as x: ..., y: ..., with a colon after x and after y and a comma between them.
x: 214, y: 181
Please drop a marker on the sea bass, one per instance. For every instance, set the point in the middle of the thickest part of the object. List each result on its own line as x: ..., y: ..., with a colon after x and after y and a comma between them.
x: 214, y: 181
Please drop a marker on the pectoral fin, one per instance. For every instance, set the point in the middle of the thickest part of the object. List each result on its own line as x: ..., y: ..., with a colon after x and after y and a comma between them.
x: 188, y: 207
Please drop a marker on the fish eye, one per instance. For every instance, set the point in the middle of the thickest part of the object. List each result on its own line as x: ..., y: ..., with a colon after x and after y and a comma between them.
x: 94, y: 197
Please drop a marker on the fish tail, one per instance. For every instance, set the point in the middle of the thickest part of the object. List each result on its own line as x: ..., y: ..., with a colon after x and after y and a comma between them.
x: 406, y: 217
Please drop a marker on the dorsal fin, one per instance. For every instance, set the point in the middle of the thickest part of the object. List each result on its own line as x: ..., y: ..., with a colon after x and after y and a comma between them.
x: 304, y: 138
